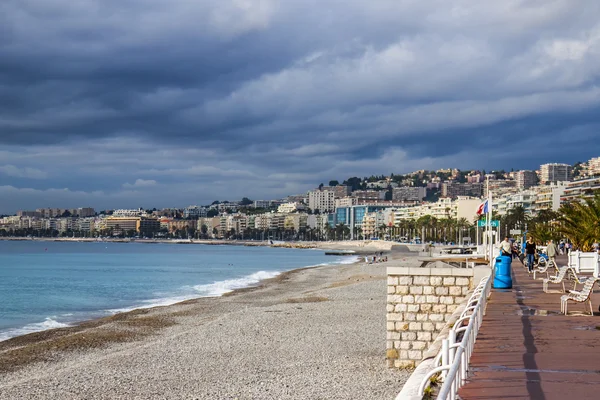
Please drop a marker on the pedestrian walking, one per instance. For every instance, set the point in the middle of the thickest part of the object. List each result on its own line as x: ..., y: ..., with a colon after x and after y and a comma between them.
x: 552, y: 251
x: 530, y: 249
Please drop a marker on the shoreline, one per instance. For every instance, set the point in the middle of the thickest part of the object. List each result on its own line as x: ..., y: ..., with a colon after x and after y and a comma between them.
x: 91, y: 322
x: 329, y: 245
x: 358, y: 249
x: 295, y: 290
x: 37, y: 337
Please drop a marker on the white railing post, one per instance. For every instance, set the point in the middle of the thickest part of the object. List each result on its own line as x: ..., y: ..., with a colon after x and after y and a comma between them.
x: 451, y: 342
x: 445, y: 357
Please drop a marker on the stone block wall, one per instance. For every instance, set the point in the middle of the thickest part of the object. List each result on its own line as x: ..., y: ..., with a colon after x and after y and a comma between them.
x: 419, y: 303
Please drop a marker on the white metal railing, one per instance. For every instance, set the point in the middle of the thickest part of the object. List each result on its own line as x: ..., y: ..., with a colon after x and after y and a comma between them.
x: 452, y: 362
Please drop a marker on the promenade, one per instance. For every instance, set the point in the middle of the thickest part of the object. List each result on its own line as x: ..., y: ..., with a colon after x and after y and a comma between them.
x: 527, y: 349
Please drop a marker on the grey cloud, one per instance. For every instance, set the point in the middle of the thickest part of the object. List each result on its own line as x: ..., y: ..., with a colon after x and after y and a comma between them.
x: 26, y: 172
x: 264, y: 98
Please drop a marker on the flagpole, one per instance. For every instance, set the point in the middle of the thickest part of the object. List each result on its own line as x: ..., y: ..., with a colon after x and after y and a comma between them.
x: 489, y: 219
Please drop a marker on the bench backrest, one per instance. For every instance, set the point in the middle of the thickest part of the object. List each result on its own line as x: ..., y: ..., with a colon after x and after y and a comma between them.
x: 586, y: 290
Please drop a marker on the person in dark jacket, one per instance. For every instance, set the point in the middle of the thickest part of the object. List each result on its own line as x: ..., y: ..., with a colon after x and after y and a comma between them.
x: 530, y: 249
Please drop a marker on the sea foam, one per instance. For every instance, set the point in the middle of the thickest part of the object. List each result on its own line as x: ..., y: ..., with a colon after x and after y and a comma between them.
x: 48, y: 323
x: 226, y: 286
x: 214, y: 289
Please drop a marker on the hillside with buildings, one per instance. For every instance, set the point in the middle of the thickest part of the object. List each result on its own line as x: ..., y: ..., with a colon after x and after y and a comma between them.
x: 376, y: 206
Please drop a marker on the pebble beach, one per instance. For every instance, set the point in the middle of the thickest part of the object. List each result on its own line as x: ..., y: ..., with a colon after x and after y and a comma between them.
x: 314, y: 333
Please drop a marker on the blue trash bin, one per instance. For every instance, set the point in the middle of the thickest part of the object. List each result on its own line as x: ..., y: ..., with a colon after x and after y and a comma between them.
x: 502, y: 276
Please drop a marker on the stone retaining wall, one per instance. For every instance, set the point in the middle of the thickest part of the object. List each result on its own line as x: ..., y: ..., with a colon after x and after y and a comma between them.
x: 419, y: 303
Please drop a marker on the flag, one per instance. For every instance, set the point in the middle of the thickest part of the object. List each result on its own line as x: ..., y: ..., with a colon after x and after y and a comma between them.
x: 483, y: 208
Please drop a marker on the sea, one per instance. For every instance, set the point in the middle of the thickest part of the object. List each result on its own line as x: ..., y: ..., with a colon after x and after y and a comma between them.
x: 45, y: 285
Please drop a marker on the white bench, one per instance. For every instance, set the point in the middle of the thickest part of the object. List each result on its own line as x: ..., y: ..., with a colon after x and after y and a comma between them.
x: 585, y: 263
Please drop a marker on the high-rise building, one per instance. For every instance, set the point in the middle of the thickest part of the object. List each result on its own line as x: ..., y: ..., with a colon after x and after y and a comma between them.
x: 525, y: 179
x: 552, y: 173
x: 321, y: 200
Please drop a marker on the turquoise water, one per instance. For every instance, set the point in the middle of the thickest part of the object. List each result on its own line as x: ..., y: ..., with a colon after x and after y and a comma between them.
x: 46, y: 285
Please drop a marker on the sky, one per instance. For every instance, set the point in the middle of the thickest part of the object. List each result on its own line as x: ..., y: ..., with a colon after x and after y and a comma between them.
x: 153, y: 103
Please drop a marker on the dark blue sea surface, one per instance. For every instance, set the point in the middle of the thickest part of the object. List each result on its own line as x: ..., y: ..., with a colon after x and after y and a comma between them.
x: 46, y: 285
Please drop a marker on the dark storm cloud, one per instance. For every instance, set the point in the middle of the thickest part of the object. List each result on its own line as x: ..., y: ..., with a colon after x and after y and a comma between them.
x: 122, y: 100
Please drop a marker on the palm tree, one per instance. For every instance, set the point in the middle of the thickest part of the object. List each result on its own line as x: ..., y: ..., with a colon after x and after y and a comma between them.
x: 515, y: 217
x: 580, y: 222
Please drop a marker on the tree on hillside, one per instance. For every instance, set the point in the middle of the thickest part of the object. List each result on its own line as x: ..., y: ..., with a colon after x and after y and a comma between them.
x: 245, y: 201
x: 333, y: 183
x: 355, y: 183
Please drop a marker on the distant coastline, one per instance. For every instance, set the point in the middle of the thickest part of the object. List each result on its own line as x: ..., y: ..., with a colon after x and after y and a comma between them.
x: 358, y: 246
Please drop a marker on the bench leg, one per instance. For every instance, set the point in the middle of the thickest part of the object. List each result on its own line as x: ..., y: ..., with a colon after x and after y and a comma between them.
x: 591, y: 309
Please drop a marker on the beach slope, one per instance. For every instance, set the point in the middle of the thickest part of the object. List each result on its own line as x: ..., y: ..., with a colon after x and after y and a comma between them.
x: 316, y: 333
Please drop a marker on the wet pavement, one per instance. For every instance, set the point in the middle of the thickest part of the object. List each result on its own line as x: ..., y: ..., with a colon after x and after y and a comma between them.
x: 526, y: 349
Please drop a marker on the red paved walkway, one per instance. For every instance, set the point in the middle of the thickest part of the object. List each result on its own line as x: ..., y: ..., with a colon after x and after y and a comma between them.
x: 527, y: 349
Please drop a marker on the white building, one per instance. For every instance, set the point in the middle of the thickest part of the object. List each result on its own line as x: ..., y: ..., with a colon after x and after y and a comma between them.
x: 128, y: 213
x: 555, y: 173
x: 321, y: 200
x: 548, y: 197
x: 194, y: 212
x: 581, y: 188
x: 287, y: 208
x: 346, y: 202
x: 262, y: 204
x: 318, y: 222
x: 444, y: 208
x: 593, y: 167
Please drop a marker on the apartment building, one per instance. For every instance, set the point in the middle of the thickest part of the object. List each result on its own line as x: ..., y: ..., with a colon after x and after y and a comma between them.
x: 287, y: 208
x: 581, y: 188
x: 194, y: 212
x: 444, y: 208
x: 525, y: 179
x: 237, y: 223
x: 227, y: 207
x: 409, y: 193
x: 453, y: 189
x: 277, y: 221
x: 548, y: 197
x: 593, y: 167
x: 296, y: 222
x: 366, y: 195
x: 554, y: 172
x: 140, y: 225
x: 262, y: 222
x: 128, y: 212
x: 371, y: 223
x: 261, y: 204
x: 500, y: 187
x: 85, y: 224
x: 319, y: 222
x: 339, y: 191
x: 346, y: 202
x: 321, y: 200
